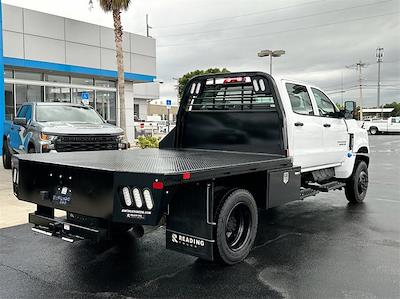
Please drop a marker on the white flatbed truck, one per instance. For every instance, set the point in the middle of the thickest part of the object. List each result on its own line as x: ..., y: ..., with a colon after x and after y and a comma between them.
x: 243, y: 141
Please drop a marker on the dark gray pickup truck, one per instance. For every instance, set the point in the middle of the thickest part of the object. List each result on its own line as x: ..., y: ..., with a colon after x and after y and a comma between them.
x: 58, y: 127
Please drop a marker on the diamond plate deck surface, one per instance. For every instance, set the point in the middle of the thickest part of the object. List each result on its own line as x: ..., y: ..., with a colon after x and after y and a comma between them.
x: 156, y: 161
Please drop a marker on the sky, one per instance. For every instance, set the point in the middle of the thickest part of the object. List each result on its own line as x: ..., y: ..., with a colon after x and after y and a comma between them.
x: 320, y: 38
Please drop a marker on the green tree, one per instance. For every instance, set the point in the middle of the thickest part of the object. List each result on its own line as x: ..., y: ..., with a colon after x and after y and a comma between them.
x: 396, y: 110
x: 185, y: 78
x: 116, y: 7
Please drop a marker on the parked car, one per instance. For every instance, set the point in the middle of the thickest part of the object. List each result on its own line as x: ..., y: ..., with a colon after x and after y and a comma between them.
x: 58, y: 127
x: 390, y: 125
x: 243, y: 142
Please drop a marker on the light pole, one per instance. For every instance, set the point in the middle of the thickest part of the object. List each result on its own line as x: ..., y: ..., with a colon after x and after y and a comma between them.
x: 359, y: 66
x: 379, y: 56
x: 177, y: 89
x: 275, y: 53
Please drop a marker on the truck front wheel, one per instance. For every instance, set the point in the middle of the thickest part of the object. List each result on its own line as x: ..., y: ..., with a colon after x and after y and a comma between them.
x: 236, y: 230
x: 6, y: 156
x: 357, y: 184
x: 373, y: 130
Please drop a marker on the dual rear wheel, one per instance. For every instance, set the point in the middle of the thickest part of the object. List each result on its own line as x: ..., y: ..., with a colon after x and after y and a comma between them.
x: 236, y: 227
x: 237, y: 217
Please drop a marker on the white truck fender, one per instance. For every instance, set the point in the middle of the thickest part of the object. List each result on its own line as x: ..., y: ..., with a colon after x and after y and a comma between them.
x: 360, y: 148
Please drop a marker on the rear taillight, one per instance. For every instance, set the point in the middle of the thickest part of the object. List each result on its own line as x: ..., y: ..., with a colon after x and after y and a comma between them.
x: 127, y: 196
x: 148, y: 199
x: 137, y: 197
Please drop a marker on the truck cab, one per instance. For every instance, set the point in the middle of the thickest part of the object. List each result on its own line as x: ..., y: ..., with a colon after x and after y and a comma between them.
x: 319, y: 135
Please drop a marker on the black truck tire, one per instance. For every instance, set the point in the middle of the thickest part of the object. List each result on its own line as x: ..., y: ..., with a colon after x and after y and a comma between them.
x: 373, y: 130
x: 6, y: 156
x: 236, y: 227
x: 357, y: 184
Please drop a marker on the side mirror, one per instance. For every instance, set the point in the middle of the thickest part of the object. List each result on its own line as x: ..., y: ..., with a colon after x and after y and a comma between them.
x: 20, y: 121
x: 350, y: 108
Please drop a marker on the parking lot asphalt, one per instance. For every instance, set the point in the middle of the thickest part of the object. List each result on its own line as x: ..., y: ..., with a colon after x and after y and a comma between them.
x: 321, y: 247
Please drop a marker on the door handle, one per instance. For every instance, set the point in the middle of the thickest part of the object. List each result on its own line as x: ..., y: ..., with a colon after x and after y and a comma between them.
x: 327, y: 125
x: 298, y: 124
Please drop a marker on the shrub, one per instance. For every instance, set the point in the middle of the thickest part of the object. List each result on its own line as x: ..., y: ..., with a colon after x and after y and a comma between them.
x: 148, y: 142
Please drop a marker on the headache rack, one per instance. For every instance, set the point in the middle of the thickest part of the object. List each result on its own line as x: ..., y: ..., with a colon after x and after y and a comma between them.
x: 232, y: 94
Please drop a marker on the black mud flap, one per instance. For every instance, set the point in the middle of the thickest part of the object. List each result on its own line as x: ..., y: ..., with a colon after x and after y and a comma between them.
x: 189, y: 244
x: 190, y: 228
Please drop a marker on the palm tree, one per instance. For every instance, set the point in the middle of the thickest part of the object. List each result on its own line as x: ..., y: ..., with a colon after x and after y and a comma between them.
x: 116, y: 7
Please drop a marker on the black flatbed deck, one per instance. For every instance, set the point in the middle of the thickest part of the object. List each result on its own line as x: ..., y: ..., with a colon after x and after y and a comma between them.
x: 163, y: 161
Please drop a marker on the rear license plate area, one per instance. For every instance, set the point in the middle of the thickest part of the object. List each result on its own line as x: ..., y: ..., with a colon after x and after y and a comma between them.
x: 62, y: 196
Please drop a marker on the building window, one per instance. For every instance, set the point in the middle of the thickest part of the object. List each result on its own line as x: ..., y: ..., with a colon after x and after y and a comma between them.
x: 9, y: 100
x: 8, y: 74
x: 56, y: 78
x: 79, y: 95
x: 28, y: 93
x: 28, y: 75
x: 82, y: 81
x: 106, y: 105
x: 136, y: 113
x: 99, y: 94
x: 58, y: 94
x: 105, y: 83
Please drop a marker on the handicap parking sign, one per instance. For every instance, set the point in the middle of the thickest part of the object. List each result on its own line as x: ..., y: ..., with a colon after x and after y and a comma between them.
x: 85, y: 95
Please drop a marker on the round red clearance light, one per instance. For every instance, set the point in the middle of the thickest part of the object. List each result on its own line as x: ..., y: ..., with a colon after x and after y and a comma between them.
x: 186, y: 176
x: 158, y: 185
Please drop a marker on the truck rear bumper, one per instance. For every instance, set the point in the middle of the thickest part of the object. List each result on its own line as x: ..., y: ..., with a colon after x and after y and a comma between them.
x: 94, y: 193
x: 66, y: 231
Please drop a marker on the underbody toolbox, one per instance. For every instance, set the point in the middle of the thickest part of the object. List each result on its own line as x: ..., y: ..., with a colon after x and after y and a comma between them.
x: 283, y: 186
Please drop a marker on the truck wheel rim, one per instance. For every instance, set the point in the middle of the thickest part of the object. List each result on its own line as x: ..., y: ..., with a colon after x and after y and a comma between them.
x: 362, y: 182
x: 237, y: 229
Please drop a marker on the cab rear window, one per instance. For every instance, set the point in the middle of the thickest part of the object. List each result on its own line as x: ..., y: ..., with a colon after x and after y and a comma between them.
x: 299, y: 99
x: 232, y: 94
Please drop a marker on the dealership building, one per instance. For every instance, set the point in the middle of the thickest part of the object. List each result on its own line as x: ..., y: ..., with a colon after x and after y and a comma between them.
x: 48, y: 58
